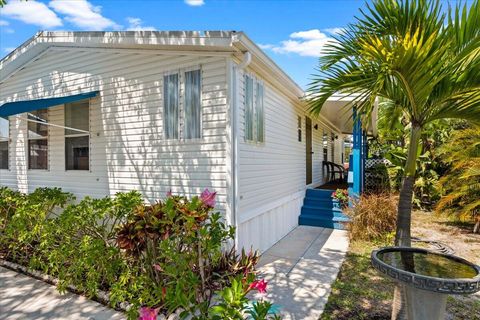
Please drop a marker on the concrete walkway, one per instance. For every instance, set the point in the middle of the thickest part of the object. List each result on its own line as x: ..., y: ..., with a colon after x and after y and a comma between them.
x: 301, y: 268
x: 22, y: 297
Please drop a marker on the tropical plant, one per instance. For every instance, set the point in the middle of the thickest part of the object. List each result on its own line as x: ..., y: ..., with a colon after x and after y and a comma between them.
x: 461, y: 184
x: 341, y: 195
x: 167, y: 256
x: 424, y: 61
x: 234, y: 304
x: 410, y: 54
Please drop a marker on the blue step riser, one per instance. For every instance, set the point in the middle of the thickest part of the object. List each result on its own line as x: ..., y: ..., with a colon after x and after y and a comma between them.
x: 321, y: 223
x: 321, y: 203
x: 322, y: 213
x: 319, y: 196
x: 319, y: 191
x: 321, y: 210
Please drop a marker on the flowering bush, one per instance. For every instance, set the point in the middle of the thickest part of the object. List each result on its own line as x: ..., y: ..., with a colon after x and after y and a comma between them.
x: 234, y: 303
x: 162, y: 257
x: 342, y: 196
x: 176, y: 245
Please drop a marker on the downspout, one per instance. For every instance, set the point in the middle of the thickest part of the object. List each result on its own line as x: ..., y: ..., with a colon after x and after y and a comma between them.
x: 247, y: 59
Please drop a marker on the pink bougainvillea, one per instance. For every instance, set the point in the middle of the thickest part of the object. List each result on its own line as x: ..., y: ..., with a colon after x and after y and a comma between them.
x: 260, y: 285
x: 147, y: 313
x: 208, y: 198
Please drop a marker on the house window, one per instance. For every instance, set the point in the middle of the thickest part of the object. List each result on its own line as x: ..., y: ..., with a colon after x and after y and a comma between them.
x: 248, y: 108
x: 192, y: 104
x: 170, y: 106
x: 4, y: 138
x: 38, y: 139
x: 77, y: 136
x: 325, y: 146
x: 259, y: 113
x: 254, y: 111
x: 299, y: 128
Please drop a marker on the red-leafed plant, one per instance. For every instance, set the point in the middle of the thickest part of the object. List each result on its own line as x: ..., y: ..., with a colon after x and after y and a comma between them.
x: 341, y: 195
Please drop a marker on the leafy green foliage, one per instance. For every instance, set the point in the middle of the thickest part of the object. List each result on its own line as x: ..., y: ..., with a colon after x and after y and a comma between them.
x: 341, y: 195
x: 164, y: 256
x: 26, y: 228
x: 234, y: 304
x: 412, y: 54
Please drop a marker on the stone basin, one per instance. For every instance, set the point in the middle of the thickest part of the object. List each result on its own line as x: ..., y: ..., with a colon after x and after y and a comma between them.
x: 428, y: 278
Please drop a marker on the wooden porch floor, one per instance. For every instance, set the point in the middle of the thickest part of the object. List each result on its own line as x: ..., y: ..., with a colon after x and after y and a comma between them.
x: 333, y: 185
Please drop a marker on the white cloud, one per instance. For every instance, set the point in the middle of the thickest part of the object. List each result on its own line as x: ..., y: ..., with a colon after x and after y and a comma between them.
x: 32, y: 12
x: 135, y: 24
x: 195, y: 3
x: 266, y: 46
x: 334, y: 30
x: 83, y: 14
x: 4, y: 23
x: 309, y: 43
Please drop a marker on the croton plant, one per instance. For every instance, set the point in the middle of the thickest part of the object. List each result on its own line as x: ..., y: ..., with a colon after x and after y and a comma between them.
x: 178, y: 244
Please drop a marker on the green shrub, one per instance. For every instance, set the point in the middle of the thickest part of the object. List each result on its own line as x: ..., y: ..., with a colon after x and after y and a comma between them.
x: 28, y: 226
x: 80, y: 249
x: 176, y: 244
x: 9, y: 201
x: 164, y: 256
x: 373, y: 217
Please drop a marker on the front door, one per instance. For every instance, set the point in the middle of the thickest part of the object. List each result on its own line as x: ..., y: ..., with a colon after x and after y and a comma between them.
x: 308, y: 148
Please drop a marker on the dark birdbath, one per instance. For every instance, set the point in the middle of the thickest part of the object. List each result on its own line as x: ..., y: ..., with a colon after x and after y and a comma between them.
x: 428, y: 278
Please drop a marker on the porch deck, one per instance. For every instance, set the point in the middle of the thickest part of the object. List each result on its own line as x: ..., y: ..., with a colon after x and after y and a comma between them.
x: 333, y: 185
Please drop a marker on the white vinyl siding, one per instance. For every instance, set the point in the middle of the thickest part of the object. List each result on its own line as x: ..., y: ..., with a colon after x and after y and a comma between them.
x: 127, y: 146
x: 271, y: 177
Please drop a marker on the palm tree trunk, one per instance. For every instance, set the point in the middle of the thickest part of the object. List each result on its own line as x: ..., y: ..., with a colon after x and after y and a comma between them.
x: 402, y: 235
x: 404, y: 215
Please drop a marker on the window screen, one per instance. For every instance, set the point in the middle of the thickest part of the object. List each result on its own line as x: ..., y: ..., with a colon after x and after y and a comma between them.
x: 77, y: 136
x: 38, y: 139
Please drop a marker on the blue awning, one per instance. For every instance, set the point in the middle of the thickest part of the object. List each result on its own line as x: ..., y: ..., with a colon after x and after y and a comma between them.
x: 17, y: 107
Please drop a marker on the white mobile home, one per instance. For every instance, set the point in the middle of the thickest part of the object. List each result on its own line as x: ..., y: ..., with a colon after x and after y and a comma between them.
x: 100, y: 112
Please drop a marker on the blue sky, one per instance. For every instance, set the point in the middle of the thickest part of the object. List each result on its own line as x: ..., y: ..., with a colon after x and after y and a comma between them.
x: 291, y: 32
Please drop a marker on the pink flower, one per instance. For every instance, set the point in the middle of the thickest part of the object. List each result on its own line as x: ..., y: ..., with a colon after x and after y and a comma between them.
x: 157, y: 267
x: 147, y: 313
x: 208, y: 198
x: 260, y: 285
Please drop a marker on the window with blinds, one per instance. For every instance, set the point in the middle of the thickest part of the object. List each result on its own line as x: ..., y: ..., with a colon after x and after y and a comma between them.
x: 254, y: 110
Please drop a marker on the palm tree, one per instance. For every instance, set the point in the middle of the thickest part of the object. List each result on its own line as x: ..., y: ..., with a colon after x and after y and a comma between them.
x: 409, y: 53
x: 424, y: 61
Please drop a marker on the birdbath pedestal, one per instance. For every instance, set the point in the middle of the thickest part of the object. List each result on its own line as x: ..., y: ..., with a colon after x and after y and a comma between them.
x: 428, y: 278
